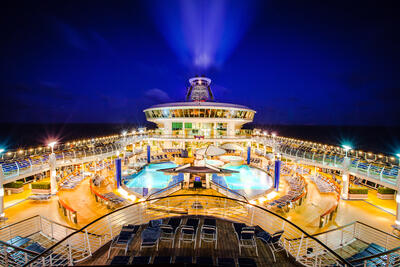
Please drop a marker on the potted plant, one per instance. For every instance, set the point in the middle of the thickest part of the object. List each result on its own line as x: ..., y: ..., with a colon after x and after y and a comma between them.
x: 41, y: 188
x: 14, y: 187
x: 358, y: 193
x: 386, y: 193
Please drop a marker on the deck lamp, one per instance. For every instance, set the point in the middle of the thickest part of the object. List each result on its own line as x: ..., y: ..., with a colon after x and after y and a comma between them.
x: 52, y: 144
x: 346, y: 148
x: 2, y: 150
x: 273, y: 134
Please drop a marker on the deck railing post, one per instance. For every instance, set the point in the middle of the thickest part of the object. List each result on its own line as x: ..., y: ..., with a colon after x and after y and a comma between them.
x: 300, y: 244
x: 88, y: 242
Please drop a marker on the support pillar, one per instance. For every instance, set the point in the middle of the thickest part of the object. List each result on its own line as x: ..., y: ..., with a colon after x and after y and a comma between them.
x: 53, y: 173
x: 148, y: 153
x: 345, y: 178
x: 397, y: 199
x: 208, y: 179
x: 248, y: 154
x: 118, y: 171
x: 186, y: 178
x: 2, y: 214
x: 277, y: 174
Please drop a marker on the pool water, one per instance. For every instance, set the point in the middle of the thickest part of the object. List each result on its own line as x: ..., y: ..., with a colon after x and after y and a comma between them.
x: 150, y: 179
x: 249, y: 181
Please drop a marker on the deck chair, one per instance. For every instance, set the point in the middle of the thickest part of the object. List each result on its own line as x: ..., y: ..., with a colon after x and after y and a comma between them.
x: 208, y: 232
x: 140, y: 260
x: 184, y: 259
x: 246, y: 262
x: 189, y: 232
x: 162, y: 260
x: 124, y: 239
x: 204, y: 261
x: 226, y: 262
x: 273, y: 241
x: 246, y: 237
x: 151, y: 235
x: 168, y: 231
x: 120, y: 260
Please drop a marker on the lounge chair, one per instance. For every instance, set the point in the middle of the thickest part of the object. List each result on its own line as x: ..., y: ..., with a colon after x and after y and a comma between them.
x: 246, y: 262
x: 204, y: 261
x: 124, y: 238
x: 120, y: 260
x: 168, y: 231
x: 208, y: 232
x: 162, y: 260
x: 150, y: 235
x: 189, y: 231
x: 273, y: 241
x: 184, y: 259
x: 140, y: 260
x: 226, y: 262
x: 246, y: 237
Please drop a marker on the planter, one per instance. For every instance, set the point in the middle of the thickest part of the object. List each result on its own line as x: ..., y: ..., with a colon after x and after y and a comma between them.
x: 385, y: 196
x: 41, y: 191
x: 358, y: 196
x: 15, y: 190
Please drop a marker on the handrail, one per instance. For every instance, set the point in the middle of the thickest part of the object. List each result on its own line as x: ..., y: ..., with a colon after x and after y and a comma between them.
x: 230, y: 190
x: 18, y: 248
x: 164, y: 189
x: 375, y: 255
x: 29, y: 218
x: 193, y: 195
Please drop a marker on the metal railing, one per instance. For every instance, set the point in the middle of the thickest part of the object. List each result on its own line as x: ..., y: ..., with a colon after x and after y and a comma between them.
x: 77, y: 247
x: 166, y: 191
x: 342, y: 236
x: 226, y: 191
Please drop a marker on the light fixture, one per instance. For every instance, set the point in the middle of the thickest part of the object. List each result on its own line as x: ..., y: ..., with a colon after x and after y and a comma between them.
x: 52, y: 144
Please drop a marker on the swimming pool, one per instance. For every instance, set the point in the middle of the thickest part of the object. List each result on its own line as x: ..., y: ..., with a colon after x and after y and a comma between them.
x: 249, y: 181
x: 150, y: 180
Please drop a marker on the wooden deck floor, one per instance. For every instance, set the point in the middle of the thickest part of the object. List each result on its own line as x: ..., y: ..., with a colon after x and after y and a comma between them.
x: 227, y: 248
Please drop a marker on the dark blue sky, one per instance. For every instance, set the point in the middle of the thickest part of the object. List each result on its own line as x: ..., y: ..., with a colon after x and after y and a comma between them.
x: 295, y: 62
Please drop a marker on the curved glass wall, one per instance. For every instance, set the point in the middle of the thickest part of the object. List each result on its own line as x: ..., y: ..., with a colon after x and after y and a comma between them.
x: 199, y: 113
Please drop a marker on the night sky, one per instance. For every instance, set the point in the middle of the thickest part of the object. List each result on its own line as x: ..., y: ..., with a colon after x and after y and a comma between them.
x: 294, y: 62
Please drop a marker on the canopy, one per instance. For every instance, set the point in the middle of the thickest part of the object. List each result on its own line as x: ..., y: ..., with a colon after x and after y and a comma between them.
x: 210, y: 151
x: 231, y: 146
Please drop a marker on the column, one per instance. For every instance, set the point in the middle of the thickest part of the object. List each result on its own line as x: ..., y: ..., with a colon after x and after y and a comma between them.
x: 183, y: 130
x: 118, y: 171
x: 148, y: 153
x: 2, y: 214
x: 277, y: 174
x: 248, y: 154
x: 208, y: 179
x: 397, y: 199
x: 53, y: 173
x: 186, y: 178
x: 345, y: 178
x: 230, y: 129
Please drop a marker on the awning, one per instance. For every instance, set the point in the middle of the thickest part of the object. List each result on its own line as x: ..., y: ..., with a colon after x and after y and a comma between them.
x: 210, y: 151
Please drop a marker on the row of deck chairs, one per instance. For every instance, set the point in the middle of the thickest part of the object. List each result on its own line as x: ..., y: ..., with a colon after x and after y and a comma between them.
x: 29, y: 244
x: 159, y: 157
x: 323, y: 185
x: 72, y: 182
x: 255, y: 160
x: 113, y: 198
x: 247, y: 235
x: 297, y: 187
x: 172, y: 150
x: 157, y: 232
x: 200, y: 261
x: 40, y: 197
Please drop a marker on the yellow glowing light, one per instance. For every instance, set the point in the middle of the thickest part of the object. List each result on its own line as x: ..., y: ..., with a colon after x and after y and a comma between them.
x: 262, y: 199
